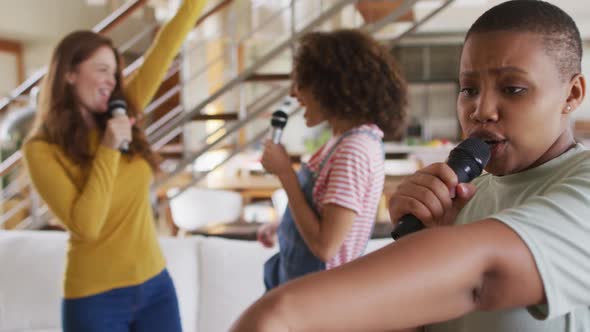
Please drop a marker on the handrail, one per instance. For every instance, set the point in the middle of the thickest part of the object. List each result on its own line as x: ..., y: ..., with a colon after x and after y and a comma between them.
x: 161, y: 134
x: 235, y: 152
x: 164, y: 130
x: 229, y: 131
x: 102, y: 27
x: 8, y: 164
x: 213, y: 10
x: 10, y: 213
x: 118, y: 16
x: 419, y: 23
x: 371, y: 28
x: 108, y: 23
x: 130, y: 68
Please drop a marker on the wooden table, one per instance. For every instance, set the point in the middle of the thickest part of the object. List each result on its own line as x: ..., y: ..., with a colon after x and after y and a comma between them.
x: 251, y: 187
x: 261, y: 187
x: 241, y: 230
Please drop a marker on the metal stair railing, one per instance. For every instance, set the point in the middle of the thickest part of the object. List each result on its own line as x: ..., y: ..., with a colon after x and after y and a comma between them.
x: 12, y: 164
x: 171, y: 126
x: 256, y: 109
x: 103, y: 27
x: 241, y: 77
x: 165, y: 133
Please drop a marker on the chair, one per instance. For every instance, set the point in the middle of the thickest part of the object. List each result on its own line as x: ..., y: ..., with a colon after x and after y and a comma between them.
x: 197, y: 207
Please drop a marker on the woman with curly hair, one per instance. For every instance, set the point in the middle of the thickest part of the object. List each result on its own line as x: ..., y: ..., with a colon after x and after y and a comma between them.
x: 116, y: 278
x: 344, y: 78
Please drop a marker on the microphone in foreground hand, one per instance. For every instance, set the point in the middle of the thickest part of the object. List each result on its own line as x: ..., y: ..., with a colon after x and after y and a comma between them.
x: 468, y: 159
x: 118, y: 107
x: 278, y: 122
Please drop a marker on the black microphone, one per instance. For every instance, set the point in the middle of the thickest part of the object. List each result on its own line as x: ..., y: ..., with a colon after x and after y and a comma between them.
x: 278, y: 122
x: 468, y: 159
x: 118, y: 107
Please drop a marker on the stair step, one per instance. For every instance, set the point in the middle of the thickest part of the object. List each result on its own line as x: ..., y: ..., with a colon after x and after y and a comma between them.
x: 230, y: 116
x: 268, y: 77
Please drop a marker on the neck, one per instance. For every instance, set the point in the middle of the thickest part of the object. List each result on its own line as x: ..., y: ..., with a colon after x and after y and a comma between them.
x: 88, y: 118
x: 340, y: 126
x: 565, y: 142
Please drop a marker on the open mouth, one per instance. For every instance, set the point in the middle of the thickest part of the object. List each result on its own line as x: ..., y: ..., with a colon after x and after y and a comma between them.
x: 104, y: 93
x: 495, y: 141
x: 496, y: 146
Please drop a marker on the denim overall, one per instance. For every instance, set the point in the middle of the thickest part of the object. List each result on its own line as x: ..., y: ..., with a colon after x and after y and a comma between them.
x: 294, y: 258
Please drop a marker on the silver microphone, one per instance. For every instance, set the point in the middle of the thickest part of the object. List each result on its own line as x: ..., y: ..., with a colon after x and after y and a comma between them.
x: 118, y: 107
x: 278, y: 122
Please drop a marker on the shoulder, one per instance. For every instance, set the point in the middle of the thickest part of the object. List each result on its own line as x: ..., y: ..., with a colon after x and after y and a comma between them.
x: 573, y: 167
x: 365, y: 133
x: 35, y: 146
x: 364, y: 141
x: 38, y: 153
x: 579, y: 161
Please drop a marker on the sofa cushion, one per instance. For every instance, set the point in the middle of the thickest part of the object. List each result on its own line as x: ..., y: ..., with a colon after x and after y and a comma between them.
x: 377, y: 244
x: 32, y: 265
x: 216, y: 279
x: 231, y: 280
x: 182, y: 262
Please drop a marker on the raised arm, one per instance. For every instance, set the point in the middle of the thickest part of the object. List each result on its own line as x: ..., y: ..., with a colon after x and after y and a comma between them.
x: 144, y: 83
x: 82, y: 210
x: 431, y: 276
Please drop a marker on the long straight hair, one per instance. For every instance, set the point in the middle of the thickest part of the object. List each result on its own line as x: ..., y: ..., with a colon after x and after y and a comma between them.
x: 59, y: 120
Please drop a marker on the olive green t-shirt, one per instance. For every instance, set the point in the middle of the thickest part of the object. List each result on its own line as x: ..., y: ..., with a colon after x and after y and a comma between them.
x: 549, y: 208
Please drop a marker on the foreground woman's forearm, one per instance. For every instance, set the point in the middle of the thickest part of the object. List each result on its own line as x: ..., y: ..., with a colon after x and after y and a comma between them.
x: 432, y: 276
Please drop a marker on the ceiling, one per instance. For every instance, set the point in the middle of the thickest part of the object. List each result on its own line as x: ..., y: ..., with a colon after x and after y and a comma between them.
x: 40, y: 20
x: 37, y: 20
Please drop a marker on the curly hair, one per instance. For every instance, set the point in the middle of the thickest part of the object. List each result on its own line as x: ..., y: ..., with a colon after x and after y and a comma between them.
x: 58, y: 120
x: 352, y: 76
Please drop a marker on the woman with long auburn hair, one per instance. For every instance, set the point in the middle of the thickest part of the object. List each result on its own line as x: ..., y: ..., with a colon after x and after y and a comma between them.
x: 116, y: 277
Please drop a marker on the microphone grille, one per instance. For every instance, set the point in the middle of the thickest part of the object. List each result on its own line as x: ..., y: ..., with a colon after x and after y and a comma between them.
x: 117, y: 103
x: 469, y: 158
x: 279, y: 119
x: 477, y: 149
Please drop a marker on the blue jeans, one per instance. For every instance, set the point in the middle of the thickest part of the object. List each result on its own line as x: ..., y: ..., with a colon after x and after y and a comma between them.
x: 151, y: 306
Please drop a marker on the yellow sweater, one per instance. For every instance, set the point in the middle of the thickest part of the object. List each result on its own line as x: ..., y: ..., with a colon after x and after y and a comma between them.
x: 106, y: 207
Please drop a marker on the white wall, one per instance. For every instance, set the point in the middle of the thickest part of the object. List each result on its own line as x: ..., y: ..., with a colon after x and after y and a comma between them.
x: 40, y: 24
x: 583, y: 112
x: 37, y: 55
x: 34, y: 20
x: 8, y: 72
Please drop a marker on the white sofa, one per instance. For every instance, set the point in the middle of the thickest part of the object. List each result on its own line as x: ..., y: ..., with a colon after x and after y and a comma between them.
x: 215, y: 279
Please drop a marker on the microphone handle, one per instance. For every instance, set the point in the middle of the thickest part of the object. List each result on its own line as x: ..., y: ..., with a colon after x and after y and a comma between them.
x: 124, y: 147
x: 407, y: 224
x: 276, y: 135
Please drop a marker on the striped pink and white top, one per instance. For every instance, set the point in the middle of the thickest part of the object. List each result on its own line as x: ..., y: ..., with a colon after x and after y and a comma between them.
x: 352, y: 178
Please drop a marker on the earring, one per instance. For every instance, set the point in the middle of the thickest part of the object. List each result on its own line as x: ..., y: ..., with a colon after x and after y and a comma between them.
x: 568, y: 108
